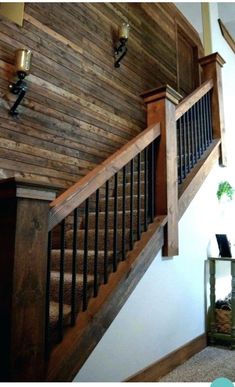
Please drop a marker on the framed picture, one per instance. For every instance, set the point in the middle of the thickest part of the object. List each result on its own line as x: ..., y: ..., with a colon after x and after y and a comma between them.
x: 224, y: 245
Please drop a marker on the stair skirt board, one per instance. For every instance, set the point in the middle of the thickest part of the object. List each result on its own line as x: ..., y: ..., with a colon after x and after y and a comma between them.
x: 165, y: 365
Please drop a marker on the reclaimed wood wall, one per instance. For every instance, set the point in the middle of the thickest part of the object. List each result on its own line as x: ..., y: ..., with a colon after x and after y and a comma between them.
x: 79, y: 109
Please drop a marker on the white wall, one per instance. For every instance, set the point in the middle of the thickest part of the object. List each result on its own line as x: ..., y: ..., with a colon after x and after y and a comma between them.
x: 166, y: 310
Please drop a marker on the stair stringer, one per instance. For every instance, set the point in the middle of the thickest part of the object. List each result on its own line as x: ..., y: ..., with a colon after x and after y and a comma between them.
x: 69, y: 356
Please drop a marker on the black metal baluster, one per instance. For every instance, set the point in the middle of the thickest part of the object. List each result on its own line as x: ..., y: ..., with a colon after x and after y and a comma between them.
x: 97, y: 198
x: 178, y: 146
x: 204, y: 100
x: 188, y: 141
x: 152, y: 182
x: 106, y: 232
x: 202, y: 125
x: 181, y: 176
x: 131, y: 202
x: 115, y: 223
x: 124, y: 214
x: 199, y: 130
x: 195, y: 133
x: 74, y: 268
x: 210, y: 117
x: 85, y: 263
x: 138, y: 197
x: 192, y: 138
x: 145, y: 189
x: 61, y: 281
x: 184, y: 147
x: 48, y: 286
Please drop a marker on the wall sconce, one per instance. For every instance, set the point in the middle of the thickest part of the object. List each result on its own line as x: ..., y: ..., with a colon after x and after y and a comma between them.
x: 121, y: 49
x: 22, y: 68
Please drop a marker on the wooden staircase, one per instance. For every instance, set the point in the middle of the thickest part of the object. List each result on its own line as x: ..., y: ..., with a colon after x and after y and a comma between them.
x: 70, y: 263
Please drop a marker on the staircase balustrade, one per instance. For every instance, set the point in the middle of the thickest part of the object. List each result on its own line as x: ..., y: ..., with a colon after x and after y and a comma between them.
x: 89, y: 243
x: 98, y: 229
x: 194, y: 135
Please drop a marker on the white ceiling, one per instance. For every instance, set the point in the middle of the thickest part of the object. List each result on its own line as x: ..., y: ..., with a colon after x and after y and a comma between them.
x: 193, y: 13
x: 227, y: 15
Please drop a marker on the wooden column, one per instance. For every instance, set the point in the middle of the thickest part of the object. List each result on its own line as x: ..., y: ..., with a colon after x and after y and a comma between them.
x: 24, y: 211
x: 161, y: 104
x: 211, y: 66
x: 212, y: 266
x: 233, y: 304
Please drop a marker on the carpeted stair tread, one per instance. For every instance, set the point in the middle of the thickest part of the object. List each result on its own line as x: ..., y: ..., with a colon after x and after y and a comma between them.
x: 92, y: 219
x: 55, y: 282
x: 68, y: 259
x: 102, y: 202
x: 54, y: 312
x: 101, y: 236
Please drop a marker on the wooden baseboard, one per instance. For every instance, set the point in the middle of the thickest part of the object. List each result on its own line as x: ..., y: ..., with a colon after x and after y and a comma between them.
x: 162, y: 367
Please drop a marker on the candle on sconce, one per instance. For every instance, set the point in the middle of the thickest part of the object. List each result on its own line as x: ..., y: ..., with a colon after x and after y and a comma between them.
x: 23, y: 61
x: 124, y: 31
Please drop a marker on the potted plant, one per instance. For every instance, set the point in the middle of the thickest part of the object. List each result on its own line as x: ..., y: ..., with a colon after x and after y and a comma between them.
x: 225, y: 190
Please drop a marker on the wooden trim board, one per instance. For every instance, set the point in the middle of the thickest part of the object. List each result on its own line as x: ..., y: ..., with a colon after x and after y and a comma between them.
x: 165, y: 365
x: 229, y: 39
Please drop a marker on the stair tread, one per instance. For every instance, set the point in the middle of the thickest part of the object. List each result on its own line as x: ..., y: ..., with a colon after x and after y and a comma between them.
x: 55, y: 275
x: 90, y: 251
x: 54, y: 311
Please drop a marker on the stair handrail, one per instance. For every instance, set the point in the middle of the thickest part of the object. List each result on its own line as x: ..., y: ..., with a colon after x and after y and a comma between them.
x: 193, y: 98
x: 64, y: 204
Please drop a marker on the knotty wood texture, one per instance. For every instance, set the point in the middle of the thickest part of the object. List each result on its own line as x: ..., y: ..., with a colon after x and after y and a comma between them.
x: 79, y: 109
x: 23, y: 261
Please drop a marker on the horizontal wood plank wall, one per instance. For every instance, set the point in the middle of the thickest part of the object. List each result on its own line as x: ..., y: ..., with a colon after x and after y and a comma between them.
x: 79, y: 109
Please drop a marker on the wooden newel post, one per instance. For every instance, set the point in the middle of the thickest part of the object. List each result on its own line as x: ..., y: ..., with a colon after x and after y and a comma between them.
x: 24, y: 211
x: 161, y: 104
x: 211, y: 66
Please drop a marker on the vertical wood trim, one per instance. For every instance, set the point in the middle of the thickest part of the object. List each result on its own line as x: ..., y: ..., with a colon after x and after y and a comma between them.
x: 23, y: 260
x: 211, y: 66
x: 233, y: 304
x: 161, y: 104
x: 212, y: 300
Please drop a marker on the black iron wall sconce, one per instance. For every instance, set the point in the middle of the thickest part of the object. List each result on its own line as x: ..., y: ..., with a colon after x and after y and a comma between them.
x: 22, y: 69
x: 121, y: 49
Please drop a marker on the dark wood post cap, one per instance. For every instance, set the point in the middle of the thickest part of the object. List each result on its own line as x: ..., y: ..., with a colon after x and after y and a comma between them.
x: 215, y: 57
x: 161, y: 92
x: 21, y: 188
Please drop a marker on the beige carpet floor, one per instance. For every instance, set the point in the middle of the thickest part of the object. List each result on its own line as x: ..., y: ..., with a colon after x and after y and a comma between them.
x: 205, y: 366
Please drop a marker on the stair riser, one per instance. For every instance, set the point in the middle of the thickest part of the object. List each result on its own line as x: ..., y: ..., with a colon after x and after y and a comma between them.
x: 92, y: 220
x: 128, y: 189
x: 120, y: 203
x: 55, y: 263
x: 54, y: 293
x: 91, y: 240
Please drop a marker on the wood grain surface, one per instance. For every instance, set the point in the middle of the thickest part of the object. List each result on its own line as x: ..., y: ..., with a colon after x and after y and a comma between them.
x: 79, y: 109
